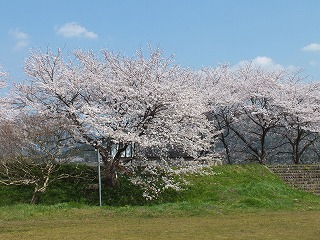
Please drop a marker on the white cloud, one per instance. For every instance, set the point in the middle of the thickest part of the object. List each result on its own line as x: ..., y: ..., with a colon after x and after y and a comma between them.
x: 16, y: 33
x: 72, y: 29
x: 267, y: 63
x: 22, y: 38
x: 314, y: 63
x: 21, y: 44
x: 263, y: 61
x: 312, y: 47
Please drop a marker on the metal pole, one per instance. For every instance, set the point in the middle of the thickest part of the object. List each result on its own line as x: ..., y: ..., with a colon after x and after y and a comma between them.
x: 99, y: 174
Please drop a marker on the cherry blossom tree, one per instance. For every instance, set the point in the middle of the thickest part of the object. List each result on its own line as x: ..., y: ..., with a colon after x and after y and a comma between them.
x: 32, y: 151
x: 3, y: 74
x: 221, y: 97
x: 114, y: 99
x: 3, y: 78
x: 244, y: 109
x: 300, y: 106
x: 262, y: 114
x: 10, y: 142
x: 259, y: 88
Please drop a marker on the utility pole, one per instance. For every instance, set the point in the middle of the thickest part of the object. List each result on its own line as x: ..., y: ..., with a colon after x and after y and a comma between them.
x: 99, y: 175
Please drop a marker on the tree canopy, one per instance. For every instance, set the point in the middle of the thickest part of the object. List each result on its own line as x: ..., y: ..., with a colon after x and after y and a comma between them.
x: 172, y: 119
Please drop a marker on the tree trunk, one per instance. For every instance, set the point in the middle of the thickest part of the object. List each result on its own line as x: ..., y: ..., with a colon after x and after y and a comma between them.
x: 222, y: 123
x: 226, y: 148
x: 295, y: 154
x: 111, y: 174
x: 41, y: 186
x: 36, y: 196
x: 296, y: 144
x: 262, y: 157
x: 111, y: 164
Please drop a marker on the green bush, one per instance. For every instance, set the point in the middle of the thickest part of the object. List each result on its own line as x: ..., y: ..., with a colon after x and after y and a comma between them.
x: 230, y: 187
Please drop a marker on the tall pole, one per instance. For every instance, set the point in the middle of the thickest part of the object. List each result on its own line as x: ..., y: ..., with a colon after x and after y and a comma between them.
x: 99, y: 174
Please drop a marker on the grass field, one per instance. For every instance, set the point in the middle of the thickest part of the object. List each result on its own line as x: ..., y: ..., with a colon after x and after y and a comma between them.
x: 238, y: 202
x: 144, y: 223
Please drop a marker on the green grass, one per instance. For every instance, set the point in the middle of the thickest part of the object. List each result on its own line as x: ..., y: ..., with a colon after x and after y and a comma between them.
x: 247, y: 187
x: 83, y: 222
x: 77, y: 190
x: 237, y: 202
x: 231, y: 188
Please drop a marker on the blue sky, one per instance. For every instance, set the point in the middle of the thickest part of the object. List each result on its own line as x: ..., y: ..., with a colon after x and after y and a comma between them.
x: 274, y: 33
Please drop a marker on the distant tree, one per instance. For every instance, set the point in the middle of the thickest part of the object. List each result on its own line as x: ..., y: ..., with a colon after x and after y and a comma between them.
x: 263, y: 115
x: 147, y: 101
x: 3, y: 103
x: 10, y: 141
x: 3, y: 75
x: 300, y: 106
x: 215, y: 84
x: 32, y: 153
x: 244, y: 104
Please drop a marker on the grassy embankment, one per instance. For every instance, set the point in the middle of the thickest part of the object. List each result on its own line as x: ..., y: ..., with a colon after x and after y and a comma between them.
x: 238, y: 202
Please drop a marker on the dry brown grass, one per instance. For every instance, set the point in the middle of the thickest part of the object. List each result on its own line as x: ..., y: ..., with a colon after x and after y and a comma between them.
x: 260, y: 225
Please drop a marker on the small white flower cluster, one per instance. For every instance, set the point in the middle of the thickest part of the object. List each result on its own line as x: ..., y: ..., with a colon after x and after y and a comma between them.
x: 157, y: 176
